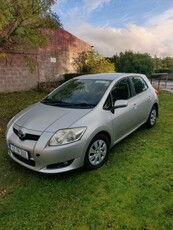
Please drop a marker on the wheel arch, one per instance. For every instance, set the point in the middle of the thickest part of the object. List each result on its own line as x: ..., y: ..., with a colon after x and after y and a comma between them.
x: 105, y: 133
x: 157, y: 108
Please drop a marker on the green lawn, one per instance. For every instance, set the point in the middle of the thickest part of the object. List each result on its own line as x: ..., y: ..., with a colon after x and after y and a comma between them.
x: 134, y: 190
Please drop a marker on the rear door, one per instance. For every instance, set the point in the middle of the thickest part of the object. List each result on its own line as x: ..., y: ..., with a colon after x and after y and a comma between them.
x: 142, y: 98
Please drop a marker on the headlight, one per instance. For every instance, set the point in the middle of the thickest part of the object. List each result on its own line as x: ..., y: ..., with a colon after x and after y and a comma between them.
x: 66, y: 136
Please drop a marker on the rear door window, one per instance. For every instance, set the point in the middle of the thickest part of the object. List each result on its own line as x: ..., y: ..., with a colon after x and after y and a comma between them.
x: 139, y: 84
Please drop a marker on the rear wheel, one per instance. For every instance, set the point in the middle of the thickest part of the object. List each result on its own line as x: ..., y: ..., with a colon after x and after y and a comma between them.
x: 152, y: 117
x: 97, y: 152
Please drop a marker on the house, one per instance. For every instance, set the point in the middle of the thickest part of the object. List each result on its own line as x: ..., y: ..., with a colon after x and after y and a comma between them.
x: 25, y: 70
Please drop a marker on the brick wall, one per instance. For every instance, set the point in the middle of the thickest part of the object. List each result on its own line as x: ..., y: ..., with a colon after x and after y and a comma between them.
x: 51, y: 62
x: 15, y: 75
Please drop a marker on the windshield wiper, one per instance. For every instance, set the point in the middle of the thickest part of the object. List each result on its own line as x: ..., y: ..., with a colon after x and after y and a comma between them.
x: 56, y: 103
x: 84, y: 104
x: 68, y: 104
x: 50, y: 101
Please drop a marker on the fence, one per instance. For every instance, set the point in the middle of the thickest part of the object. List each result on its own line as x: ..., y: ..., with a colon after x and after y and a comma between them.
x: 163, y: 82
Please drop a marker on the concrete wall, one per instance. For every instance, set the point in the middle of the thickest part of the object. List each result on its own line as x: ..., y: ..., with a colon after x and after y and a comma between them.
x: 51, y: 62
x: 57, y: 59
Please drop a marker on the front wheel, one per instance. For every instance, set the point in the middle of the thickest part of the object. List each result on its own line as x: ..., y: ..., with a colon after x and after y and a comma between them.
x: 97, y: 152
x: 152, y: 117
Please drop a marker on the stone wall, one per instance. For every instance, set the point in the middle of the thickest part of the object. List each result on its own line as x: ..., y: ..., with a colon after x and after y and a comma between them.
x: 15, y: 74
x: 51, y: 62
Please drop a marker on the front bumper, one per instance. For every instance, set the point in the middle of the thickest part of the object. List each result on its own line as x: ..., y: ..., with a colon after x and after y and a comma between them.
x: 44, y: 158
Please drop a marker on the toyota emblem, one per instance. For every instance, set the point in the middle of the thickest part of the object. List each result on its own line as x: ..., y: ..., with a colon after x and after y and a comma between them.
x: 21, y: 134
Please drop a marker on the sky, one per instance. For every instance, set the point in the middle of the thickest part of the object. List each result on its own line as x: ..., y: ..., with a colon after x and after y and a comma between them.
x: 114, y: 26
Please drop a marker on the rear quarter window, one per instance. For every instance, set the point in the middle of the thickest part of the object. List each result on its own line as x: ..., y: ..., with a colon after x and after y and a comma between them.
x: 139, y: 84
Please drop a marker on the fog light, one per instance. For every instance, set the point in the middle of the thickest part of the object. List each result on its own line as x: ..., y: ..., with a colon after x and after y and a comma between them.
x: 59, y: 165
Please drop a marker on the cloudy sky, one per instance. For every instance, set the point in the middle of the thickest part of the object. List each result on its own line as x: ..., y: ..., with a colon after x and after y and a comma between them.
x: 113, y: 26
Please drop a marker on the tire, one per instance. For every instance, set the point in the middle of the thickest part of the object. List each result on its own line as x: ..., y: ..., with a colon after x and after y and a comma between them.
x: 97, y: 152
x: 152, y: 118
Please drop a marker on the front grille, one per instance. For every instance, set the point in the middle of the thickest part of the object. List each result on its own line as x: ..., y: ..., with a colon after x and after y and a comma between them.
x: 29, y: 162
x: 27, y: 136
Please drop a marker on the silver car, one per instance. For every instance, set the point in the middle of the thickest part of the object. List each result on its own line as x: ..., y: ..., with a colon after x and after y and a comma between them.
x: 77, y: 123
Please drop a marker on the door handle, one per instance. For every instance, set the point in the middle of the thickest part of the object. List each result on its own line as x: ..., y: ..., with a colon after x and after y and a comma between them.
x: 134, y: 106
x: 150, y: 98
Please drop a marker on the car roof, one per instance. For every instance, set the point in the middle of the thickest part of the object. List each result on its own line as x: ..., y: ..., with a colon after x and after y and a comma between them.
x: 107, y: 76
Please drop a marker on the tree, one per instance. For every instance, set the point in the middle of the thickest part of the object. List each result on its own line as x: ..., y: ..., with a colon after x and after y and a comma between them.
x: 92, y: 62
x: 163, y: 64
x: 158, y: 64
x: 22, y: 23
x: 130, y: 62
x: 168, y: 63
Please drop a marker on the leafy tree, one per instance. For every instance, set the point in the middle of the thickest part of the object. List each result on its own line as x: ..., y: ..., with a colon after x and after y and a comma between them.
x: 163, y: 64
x: 158, y: 64
x: 130, y: 62
x: 93, y: 62
x: 113, y: 59
x: 168, y: 63
x: 80, y: 61
x: 22, y: 23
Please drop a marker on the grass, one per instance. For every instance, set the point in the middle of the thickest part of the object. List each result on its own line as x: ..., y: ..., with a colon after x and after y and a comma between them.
x: 134, y: 190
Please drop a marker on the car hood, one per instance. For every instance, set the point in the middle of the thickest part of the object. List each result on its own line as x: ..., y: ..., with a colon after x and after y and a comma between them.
x: 41, y: 117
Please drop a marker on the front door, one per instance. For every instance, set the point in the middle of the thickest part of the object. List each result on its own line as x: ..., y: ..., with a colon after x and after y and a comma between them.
x: 124, y: 120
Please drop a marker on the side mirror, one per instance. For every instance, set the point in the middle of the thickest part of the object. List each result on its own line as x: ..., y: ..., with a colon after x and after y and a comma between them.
x: 120, y: 104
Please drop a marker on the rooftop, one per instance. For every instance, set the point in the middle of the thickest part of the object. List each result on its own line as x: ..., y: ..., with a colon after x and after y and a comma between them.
x: 107, y: 76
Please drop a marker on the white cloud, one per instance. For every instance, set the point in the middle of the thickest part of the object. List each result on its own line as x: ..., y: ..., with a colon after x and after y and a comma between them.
x: 155, y: 37
x: 75, y: 11
x: 159, y: 19
x: 90, y: 5
x: 81, y: 11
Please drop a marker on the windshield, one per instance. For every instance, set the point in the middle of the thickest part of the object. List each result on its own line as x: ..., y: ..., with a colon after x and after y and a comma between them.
x: 78, y: 93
